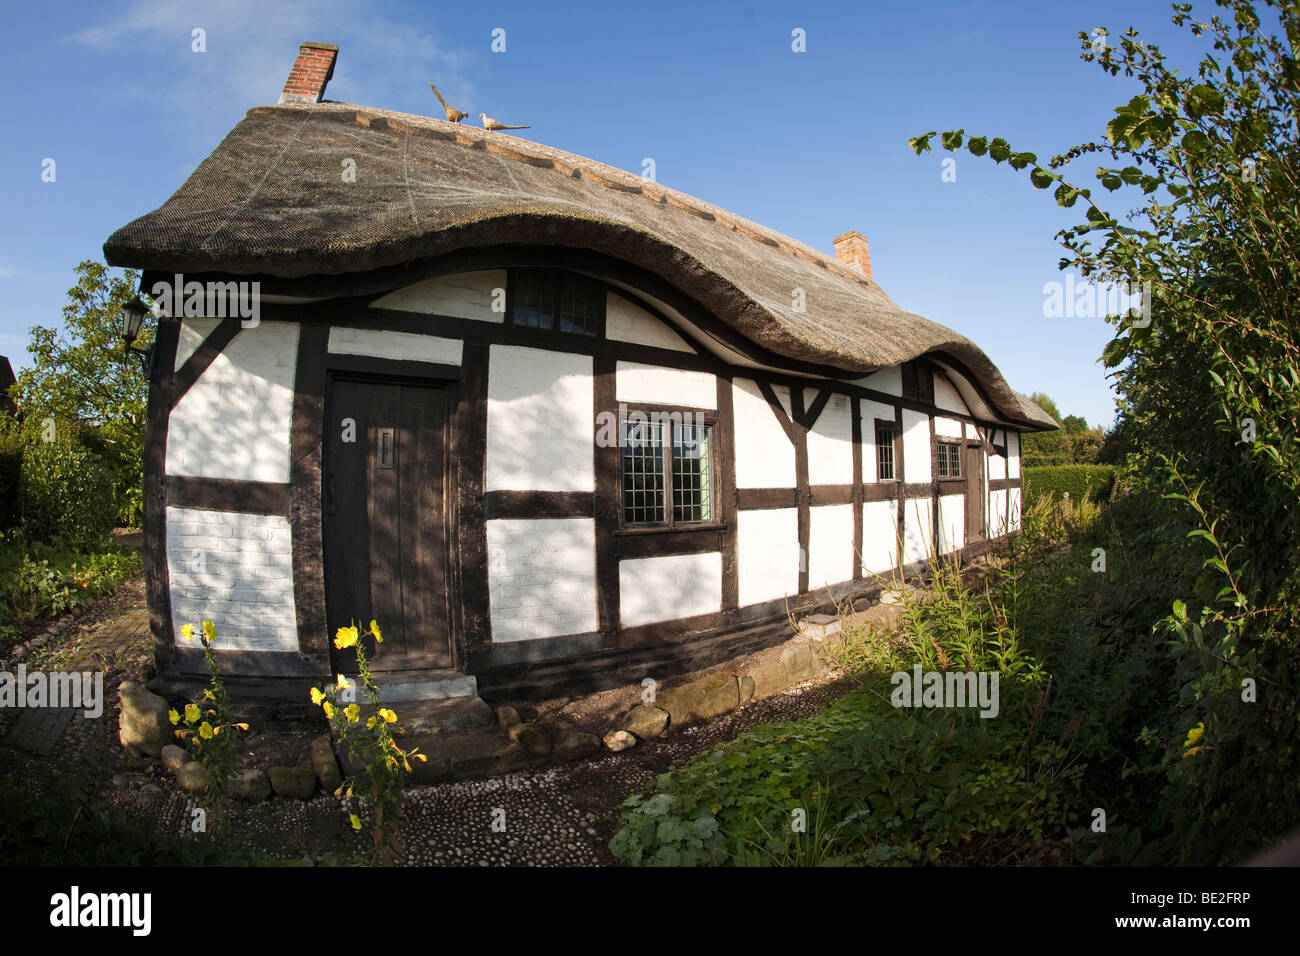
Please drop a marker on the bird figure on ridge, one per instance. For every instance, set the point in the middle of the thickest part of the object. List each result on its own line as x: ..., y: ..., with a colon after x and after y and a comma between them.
x: 490, y: 123
x: 453, y: 114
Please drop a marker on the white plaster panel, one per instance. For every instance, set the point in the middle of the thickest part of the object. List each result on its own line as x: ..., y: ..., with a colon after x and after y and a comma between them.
x: 997, y: 465
x: 665, y: 588
x: 947, y: 397
x: 1013, y: 509
x: 916, y: 445
x: 947, y: 427
x: 998, y: 521
x: 830, y: 442
x: 764, y: 455
x: 465, y: 295
x: 235, y: 570
x: 768, y: 558
x: 870, y: 412
x: 541, y: 577
x: 879, y: 536
x: 952, y: 523
x: 398, y: 346
x: 627, y: 322
x: 918, y: 530
x: 830, y: 545
x: 887, y: 380
x: 540, y: 421
x: 1013, y: 454
x: 655, y: 384
x: 234, y: 422
x: 191, y: 335
x: 972, y: 431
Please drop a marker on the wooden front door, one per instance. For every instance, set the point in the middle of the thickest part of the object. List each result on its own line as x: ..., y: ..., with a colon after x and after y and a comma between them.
x: 974, y: 493
x: 385, y: 524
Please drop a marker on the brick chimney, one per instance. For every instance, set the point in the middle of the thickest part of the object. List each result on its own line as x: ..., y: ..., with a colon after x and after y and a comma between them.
x: 851, y: 249
x: 310, y: 73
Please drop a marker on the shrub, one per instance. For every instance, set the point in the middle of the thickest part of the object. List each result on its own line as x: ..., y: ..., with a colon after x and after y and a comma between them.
x: 67, y: 495
x: 38, y: 587
x: 1093, y: 482
x: 11, y: 469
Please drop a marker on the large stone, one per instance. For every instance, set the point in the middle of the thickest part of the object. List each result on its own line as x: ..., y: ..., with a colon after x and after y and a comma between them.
x: 507, y: 717
x: 700, y: 699
x: 143, y: 727
x: 798, y: 661
x: 250, y: 785
x: 296, y: 782
x: 577, y: 745
x: 174, y: 757
x: 531, y: 737
x: 325, y: 764
x: 769, y: 676
x: 887, y: 617
x: 646, y: 721
x: 192, y: 777
x: 747, y: 688
x: 619, y: 740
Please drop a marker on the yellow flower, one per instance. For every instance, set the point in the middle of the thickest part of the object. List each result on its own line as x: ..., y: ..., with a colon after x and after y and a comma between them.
x: 187, y: 631
x: 174, y: 717
x: 329, y: 709
x: 420, y: 757
x: 356, y: 821
x: 208, y: 695
x: 317, y: 695
x: 352, y: 712
x: 191, y: 713
x: 388, y: 715
x: 205, y: 730
x: 344, y: 683
x: 242, y: 726
x: 374, y: 629
x: 346, y: 637
x: 209, y: 631
x: 370, y: 723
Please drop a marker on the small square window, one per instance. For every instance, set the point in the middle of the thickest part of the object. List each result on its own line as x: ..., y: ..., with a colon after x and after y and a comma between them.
x: 885, y: 452
x: 554, y: 299
x: 948, y: 460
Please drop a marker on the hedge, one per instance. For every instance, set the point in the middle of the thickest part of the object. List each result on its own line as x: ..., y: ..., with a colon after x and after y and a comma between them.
x: 1095, y: 481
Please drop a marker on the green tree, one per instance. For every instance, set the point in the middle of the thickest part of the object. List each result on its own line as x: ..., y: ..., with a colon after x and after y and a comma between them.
x: 1210, y: 374
x: 80, y: 379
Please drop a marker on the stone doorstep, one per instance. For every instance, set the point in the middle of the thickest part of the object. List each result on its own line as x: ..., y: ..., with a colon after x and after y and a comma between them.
x: 438, y: 717
x: 425, y: 685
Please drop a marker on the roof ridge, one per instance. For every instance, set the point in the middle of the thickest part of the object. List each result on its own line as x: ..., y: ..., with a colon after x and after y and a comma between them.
x: 610, y: 177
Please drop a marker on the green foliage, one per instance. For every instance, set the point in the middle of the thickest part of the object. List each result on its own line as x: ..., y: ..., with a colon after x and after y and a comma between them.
x: 67, y: 494
x: 1091, y: 482
x: 1073, y: 443
x: 38, y: 582
x: 1211, y: 408
x: 11, y: 471
x: 79, y: 375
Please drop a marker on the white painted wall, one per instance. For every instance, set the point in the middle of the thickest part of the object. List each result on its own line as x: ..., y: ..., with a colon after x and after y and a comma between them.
x: 235, y: 570
x: 768, y: 554
x: 1013, y: 454
x: 918, y: 530
x: 628, y: 322
x: 830, y: 442
x: 398, y: 346
x: 666, y: 588
x: 764, y: 455
x: 830, y: 545
x: 653, y: 384
x: 952, y: 523
x: 870, y: 412
x: 946, y: 395
x: 887, y: 380
x: 879, y: 536
x: 1013, y: 509
x: 998, y: 514
x: 541, y: 577
x: 234, y: 422
x: 466, y: 295
x: 997, y: 465
x: 972, y: 431
x: 540, y: 420
x: 191, y: 335
x: 947, y: 427
x: 916, y: 445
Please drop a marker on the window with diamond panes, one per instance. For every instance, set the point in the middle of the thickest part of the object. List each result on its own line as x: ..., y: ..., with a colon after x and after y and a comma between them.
x: 884, y: 452
x: 692, y: 473
x: 553, y: 299
x: 643, y: 473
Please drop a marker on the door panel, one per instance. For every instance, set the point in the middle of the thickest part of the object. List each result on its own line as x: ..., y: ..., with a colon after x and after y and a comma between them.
x: 385, y: 545
x: 974, y: 493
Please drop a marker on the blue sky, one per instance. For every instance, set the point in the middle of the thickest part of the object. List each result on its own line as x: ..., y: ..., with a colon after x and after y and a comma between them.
x: 811, y: 144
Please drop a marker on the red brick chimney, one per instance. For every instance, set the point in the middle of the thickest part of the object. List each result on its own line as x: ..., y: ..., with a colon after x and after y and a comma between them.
x: 851, y: 249
x: 313, y: 69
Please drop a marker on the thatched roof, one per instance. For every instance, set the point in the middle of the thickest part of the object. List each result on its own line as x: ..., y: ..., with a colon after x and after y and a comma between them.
x: 271, y: 200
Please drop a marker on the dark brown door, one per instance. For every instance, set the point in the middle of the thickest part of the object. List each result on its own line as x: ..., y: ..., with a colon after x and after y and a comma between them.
x: 385, y: 551
x: 974, y: 494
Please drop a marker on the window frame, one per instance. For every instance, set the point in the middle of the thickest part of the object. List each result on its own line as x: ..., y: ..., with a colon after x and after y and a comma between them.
x: 895, y: 437
x: 560, y: 280
x: 941, y: 446
x: 914, y: 373
x: 707, y: 417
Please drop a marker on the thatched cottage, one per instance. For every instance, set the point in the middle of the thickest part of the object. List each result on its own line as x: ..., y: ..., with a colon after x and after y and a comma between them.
x: 552, y: 424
